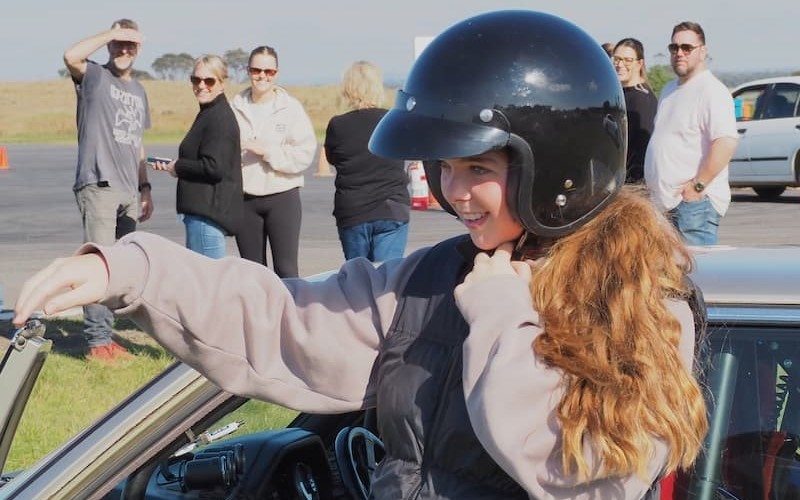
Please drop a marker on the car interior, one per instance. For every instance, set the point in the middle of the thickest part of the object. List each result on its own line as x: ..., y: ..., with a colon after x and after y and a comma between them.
x: 753, y: 443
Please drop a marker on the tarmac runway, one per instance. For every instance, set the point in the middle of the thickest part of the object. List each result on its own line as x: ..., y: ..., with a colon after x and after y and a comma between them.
x: 39, y: 220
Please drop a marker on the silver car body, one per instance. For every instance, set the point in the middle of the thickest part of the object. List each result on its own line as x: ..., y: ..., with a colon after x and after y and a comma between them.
x: 767, y: 157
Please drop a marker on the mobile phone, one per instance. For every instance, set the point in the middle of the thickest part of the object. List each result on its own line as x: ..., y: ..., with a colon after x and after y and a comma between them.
x: 153, y: 159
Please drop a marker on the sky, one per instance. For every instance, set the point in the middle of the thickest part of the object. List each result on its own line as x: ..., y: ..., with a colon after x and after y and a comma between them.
x: 316, y: 40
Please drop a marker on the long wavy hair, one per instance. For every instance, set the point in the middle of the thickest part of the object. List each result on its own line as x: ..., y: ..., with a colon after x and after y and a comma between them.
x: 601, y: 293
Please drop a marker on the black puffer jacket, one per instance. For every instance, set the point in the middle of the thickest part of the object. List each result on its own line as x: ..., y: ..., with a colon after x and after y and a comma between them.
x: 433, y: 452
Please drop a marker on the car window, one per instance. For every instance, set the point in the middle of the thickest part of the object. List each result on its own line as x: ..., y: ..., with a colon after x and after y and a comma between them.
x: 782, y: 102
x: 749, y: 102
x: 755, y: 379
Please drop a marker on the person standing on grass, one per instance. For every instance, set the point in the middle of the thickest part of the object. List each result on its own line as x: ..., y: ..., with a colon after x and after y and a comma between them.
x: 278, y: 145
x: 372, y: 205
x: 111, y: 187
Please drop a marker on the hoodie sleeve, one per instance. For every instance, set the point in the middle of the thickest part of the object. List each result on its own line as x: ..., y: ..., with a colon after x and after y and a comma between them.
x: 512, y: 395
x: 306, y: 345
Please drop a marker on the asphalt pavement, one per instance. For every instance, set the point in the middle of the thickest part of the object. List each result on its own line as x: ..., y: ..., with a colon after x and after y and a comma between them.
x: 39, y: 220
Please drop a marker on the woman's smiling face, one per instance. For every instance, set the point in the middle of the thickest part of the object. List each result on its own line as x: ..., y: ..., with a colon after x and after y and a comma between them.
x: 476, y: 189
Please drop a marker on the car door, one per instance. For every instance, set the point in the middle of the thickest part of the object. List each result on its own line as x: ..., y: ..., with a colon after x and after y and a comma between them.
x: 748, y: 105
x: 774, y: 137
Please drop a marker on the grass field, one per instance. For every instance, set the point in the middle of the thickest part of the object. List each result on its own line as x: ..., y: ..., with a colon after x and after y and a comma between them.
x: 44, y: 112
x: 71, y: 393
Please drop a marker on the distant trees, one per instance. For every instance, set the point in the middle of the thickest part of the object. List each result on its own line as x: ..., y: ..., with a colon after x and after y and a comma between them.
x: 237, y: 60
x: 173, y: 66
x: 658, y: 76
x: 136, y: 73
x: 179, y: 66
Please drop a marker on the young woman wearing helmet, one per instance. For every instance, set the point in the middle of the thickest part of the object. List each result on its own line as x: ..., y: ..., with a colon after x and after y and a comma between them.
x: 548, y: 354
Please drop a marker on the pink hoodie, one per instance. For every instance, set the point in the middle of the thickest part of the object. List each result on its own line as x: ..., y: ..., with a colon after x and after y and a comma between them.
x: 311, y: 346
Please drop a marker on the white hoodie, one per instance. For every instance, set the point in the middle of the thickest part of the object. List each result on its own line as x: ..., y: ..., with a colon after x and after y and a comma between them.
x: 283, y: 128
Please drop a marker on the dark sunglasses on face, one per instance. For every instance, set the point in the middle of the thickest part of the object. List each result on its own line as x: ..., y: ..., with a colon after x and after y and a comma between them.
x: 124, y: 45
x: 686, y: 48
x: 257, y: 71
x: 210, y: 82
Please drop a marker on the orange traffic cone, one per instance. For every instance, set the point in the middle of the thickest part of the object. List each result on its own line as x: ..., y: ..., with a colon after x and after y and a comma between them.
x: 3, y: 157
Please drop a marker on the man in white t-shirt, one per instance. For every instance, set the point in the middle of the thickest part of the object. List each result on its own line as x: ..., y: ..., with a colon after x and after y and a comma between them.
x: 694, y: 138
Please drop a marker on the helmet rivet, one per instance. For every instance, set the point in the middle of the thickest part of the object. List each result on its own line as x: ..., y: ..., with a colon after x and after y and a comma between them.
x: 411, y: 103
x: 568, y: 184
x: 561, y: 200
x: 486, y: 115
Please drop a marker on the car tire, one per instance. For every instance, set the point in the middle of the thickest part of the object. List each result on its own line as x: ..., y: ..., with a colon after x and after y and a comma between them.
x: 769, y: 192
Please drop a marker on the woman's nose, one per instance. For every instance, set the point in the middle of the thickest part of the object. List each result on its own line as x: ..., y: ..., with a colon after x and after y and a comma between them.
x: 456, y: 186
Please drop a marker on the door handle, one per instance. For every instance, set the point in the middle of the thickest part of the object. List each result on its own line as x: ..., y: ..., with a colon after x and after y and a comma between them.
x: 743, y: 130
x: 797, y: 126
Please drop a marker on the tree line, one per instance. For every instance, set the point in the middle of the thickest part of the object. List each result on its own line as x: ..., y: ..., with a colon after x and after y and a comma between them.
x: 171, y: 66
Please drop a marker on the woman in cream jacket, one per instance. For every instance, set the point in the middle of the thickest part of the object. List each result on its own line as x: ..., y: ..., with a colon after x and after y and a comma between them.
x: 278, y: 144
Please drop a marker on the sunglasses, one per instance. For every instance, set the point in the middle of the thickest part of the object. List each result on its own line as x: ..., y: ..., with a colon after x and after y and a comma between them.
x: 210, y: 82
x: 124, y: 45
x: 686, y: 48
x: 627, y: 61
x: 257, y: 71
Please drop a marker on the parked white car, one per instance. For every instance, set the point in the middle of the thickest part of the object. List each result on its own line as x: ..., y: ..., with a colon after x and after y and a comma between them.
x: 767, y: 157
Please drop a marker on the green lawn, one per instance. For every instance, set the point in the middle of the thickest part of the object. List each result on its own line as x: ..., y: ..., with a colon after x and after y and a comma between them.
x: 71, y: 392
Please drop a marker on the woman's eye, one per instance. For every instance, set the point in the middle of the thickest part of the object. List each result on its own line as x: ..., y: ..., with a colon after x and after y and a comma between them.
x: 478, y: 169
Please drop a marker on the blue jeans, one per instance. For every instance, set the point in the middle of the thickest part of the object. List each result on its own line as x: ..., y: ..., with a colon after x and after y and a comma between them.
x: 204, y: 236
x: 697, y: 221
x: 107, y: 214
x: 376, y: 240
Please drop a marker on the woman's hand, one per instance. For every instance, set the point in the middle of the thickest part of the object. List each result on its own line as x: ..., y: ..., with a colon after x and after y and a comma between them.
x: 166, y: 167
x: 65, y: 283
x: 254, y: 147
x: 498, y: 264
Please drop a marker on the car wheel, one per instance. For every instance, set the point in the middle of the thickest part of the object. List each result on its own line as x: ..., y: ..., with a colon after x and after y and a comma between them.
x: 769, y: 192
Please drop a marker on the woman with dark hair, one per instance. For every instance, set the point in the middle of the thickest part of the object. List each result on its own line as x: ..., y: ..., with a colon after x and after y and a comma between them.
x: 640, y: 102
x: 278, y: 144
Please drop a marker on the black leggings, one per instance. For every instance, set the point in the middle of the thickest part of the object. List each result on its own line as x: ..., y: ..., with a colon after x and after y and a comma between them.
x: 275, y: 218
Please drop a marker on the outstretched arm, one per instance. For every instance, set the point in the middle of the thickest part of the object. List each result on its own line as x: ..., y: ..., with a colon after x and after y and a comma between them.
x: 307, y: 345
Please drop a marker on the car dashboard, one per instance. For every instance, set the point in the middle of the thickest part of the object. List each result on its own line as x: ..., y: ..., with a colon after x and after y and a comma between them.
x: 282, y: 464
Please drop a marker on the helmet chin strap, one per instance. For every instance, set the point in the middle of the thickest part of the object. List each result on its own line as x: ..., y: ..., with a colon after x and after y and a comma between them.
x: 520, y: 243
x: 531, y: 246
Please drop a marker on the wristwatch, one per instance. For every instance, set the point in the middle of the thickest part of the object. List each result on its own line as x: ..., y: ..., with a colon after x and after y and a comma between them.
x: 699, y: 186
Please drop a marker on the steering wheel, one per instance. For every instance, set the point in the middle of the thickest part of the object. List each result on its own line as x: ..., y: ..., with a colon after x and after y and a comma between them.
x: 358, y: 452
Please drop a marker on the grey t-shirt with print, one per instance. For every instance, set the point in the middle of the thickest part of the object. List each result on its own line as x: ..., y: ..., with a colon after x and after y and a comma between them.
x: 112, y: 116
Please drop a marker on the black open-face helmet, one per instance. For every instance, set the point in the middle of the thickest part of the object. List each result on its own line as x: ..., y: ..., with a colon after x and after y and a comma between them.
x: 528, y: 82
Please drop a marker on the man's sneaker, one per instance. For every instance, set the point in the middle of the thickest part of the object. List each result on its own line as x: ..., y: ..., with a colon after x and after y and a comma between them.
x: 109, y: 353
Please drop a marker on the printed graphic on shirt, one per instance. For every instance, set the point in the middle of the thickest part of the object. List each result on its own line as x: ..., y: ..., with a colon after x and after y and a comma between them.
x: 129, y: 116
